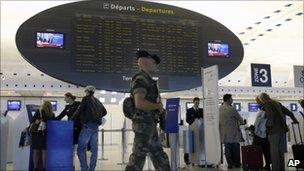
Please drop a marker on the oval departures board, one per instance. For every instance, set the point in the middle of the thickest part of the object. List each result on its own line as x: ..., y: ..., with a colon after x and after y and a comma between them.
x: 94, y: 42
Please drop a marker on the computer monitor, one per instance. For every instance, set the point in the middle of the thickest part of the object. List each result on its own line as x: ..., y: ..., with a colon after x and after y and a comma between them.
x: 253, y: 107
x: 13, y: 105
x: 49, y: 40
x: 218, y: 49
x: 54, y: 105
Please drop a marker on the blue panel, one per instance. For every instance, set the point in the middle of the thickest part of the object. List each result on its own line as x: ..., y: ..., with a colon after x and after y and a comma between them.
x: 59, y: 153
x: 293, y: 107
x: 237, y: 106
x: 172, y: 108
x: 253, y: 107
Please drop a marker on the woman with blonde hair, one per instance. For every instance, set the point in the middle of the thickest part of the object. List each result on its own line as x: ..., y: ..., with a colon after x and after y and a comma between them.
x: 40, y: 118
x: 276, y: 128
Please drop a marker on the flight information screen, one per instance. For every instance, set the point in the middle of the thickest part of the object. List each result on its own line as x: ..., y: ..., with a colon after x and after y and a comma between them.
x: 107, y: 44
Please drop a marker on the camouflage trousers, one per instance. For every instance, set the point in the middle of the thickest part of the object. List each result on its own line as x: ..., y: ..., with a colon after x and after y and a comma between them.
x: 146, y: 141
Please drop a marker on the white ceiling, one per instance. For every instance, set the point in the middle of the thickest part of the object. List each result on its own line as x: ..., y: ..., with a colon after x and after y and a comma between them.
x: 282, y: 47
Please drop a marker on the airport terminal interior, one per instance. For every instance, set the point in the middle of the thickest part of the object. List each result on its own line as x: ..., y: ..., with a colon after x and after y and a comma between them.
x: 251, y: 50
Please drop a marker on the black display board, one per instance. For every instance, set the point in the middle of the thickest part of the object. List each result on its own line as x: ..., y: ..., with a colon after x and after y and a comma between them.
x: 101, y: 38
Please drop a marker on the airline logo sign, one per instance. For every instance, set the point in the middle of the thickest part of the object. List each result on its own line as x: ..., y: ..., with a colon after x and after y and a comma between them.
x: 260, y: 75
x: 298, y: 75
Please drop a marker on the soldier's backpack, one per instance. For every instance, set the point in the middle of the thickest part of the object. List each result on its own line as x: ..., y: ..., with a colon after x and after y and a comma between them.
x: 128, y: 107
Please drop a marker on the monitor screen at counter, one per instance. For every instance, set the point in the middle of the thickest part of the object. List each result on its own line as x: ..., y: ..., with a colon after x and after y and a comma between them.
x: 13, y: 105
x: 253, y: 107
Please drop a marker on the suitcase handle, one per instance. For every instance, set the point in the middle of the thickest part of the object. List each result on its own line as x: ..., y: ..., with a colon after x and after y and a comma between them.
x: 295, y: 132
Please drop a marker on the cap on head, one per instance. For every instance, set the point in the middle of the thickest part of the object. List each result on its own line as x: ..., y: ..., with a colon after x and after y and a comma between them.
x: 90, y: 88
x: 145, y: 54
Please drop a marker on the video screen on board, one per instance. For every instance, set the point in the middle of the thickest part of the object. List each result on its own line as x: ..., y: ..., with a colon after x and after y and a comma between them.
x: 50, y: 40
x: 218, y: 50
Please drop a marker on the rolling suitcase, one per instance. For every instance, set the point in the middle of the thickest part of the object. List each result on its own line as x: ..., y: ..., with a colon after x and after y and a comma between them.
x: 298, y: 148
x: 252, y: 156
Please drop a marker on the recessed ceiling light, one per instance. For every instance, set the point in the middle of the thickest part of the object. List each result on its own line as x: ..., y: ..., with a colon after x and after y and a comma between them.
x: 288, y: 19
x: 288, y: 5
x: 252, y: 39
x: 258, y: 22
x: 242, y: 33
x: 246, y: 43
x: 249, y: 28
x: 261, y: 35
x: 267, y: 17
x: 278, y: 25
x: 277, y: 11
x: 269, y: 30
x: 300, y: 13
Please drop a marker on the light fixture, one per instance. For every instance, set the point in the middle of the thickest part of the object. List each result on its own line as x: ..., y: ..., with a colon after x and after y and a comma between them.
x: 246, y: 43
x: 278, y: 25
x: 288, y: 19
x: 242, y: 33
x: 257, y: 22
x: 288, y: 5
x: 261, y: 35
x: 267, y: 17
x: 277, y: 11
x: 114, y: 92
x: 102, y: 92
x: 253, y: 39
x: 269, y: 30
x: 300, y: 13
x: 249, y: 28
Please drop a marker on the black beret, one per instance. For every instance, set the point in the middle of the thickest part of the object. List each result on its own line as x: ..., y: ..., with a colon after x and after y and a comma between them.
x: 145, y: 54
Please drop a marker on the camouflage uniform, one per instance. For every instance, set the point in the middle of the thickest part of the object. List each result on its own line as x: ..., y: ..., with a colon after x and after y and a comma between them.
x: 144, y: 126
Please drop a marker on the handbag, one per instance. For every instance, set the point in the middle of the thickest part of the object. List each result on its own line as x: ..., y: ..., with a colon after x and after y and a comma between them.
x: 25, y: 138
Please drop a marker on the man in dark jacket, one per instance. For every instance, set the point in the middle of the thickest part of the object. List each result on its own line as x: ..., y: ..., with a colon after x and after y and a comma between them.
x: 193, y: 113
x: 91, y: 112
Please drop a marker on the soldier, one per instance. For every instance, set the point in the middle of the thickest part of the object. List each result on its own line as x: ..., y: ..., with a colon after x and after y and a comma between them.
x: 148, y: 105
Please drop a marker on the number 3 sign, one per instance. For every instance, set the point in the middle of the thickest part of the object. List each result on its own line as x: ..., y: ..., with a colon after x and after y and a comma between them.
x: 260, y: 75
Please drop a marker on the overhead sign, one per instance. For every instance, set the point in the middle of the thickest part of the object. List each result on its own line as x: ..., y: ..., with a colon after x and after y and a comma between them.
x: 298, y: 75
x: 260, y: 75
x: 211, y: 114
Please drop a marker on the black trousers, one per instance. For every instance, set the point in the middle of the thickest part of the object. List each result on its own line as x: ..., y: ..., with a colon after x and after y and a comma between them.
x: 232, y: 154
x: 264, y: 144
x: 186, y: 157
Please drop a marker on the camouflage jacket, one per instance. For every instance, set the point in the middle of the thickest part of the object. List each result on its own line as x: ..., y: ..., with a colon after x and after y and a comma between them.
x: 142, y: 80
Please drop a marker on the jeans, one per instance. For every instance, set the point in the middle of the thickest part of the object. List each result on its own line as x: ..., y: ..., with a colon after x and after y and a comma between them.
x: 89, y: 133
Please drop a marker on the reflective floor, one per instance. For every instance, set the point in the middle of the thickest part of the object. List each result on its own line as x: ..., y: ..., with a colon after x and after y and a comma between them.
x: 112, y: 160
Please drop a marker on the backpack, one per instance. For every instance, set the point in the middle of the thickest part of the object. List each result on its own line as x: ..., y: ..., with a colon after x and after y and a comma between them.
x: 98, y: 109
x: 129, y: 107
